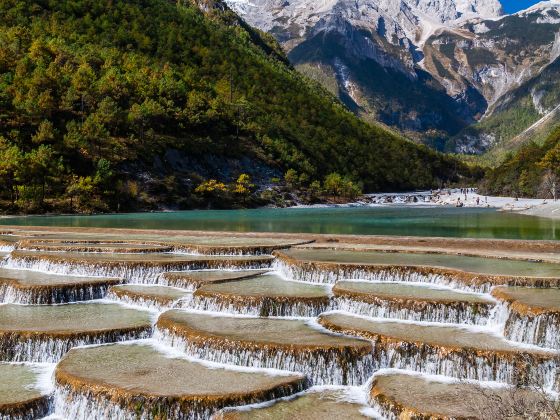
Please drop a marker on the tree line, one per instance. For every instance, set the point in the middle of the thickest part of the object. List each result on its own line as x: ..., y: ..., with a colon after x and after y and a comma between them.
x: 93, y: 93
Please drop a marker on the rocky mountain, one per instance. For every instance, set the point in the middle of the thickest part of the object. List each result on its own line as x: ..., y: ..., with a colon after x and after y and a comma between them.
x: 435, y: 70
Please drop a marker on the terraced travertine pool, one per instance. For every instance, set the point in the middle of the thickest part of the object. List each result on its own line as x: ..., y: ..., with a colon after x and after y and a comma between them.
x: 104, y: 325
x: 478, y: 265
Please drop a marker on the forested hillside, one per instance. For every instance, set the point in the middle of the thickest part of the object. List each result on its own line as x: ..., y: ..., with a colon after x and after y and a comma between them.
x: 117, y: 105
x: 533, y: 171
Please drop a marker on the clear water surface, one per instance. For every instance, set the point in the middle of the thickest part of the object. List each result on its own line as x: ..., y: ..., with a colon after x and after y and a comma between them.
x: 393, y: 220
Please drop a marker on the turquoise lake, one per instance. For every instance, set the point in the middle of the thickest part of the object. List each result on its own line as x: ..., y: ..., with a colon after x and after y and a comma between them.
x: 414, y: 221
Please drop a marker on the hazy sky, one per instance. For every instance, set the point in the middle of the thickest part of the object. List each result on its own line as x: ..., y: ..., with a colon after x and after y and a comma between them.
x: 511, y: 6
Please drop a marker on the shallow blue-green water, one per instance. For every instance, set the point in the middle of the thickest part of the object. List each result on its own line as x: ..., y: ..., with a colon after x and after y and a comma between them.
x: 415, y: 221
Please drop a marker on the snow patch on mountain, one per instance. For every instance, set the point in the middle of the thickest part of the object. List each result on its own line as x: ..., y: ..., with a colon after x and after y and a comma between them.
x: 392, y: 19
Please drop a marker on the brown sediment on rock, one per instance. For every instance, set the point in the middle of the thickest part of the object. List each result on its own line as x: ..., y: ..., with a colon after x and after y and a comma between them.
x: 445, y: 338
x: 411, y: 301
x: 45, y: 332
x: 331, y: 272
x: 270, y: 342
x: 99, y: 246
x: 527, y: 250
x: 423, y: 346
x: 268, y: 295
x: 256, y: 333
x: 207, y: 245
x: 9, y: 240
x: 311, y: 405
x: 543, y: 250
x: 409, y: 396
x: 33, y: 287
x: 478, y: 265
x: 142, y: 267
x: 233, y: 245
x: 138, y: 380
x: 194, y: 279
x: 162, y: 296
x: 19, y: 396
x: 6, y: 246
x: 530, y: 301
x: 373, y: 292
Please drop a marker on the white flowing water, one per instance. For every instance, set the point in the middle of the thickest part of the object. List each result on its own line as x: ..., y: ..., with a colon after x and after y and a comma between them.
x: 540, y: 330
x: 265, y: 307
x: 466, y: 364
x: 470, y: 314
x: 50, y: 350
x: 321, y: 367
x: 315, y: 275
x: 137, y: 273
x: 10, y: 294
x: 86, y: 406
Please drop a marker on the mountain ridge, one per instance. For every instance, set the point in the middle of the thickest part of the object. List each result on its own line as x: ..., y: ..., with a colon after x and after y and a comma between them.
x: 454, y: 60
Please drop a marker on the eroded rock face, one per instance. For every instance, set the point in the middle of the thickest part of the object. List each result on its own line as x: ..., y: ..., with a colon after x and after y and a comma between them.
x: 269, y: 343
x: 444, y: 65
x: 121, y: 380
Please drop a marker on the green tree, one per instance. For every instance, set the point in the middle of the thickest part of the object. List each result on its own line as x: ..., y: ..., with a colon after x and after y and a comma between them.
x: 291, y: 178
x: 334, y: 184
x: 10, y: 162
x: 45, y: 133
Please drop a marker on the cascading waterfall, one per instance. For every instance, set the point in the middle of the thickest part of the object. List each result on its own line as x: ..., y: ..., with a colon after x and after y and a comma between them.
x: 37, y: 410
x: 45, y: 349
x: 465, y: 364
x: 186, y: 284
x: 40, y: 405
x: 48, y: 296
x: 321, y: 367
x: 224, y: 251
x: 136, y: 272
x: 89, y: 406
x: 259, y: 307
x: 148, y: 303
x: 541, y: 330
x: 312, y: 273
x: 458, y: 313
x: 498, y: 317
